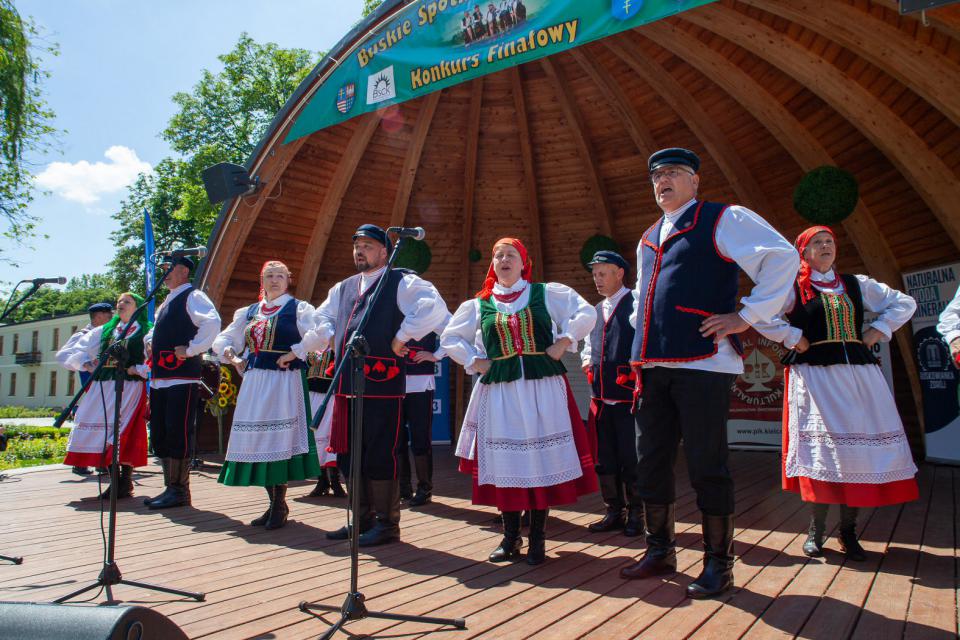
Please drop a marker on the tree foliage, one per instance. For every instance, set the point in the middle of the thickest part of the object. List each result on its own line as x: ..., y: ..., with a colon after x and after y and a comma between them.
x: 75, y: 297
x: 221, y: 119
x: 25, y: 119
x: 369, y: 6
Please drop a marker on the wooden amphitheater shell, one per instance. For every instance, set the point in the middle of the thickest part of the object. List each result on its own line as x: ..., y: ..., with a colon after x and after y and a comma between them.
x: 554, y: 151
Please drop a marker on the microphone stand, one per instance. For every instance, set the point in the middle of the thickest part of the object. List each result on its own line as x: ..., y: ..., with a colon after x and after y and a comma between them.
x: 7, y: 310
x: 110, y: 573
x: 353, y: 607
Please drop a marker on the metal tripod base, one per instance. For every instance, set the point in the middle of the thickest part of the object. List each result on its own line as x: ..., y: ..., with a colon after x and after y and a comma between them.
x: 110, y: 575
x: 13, y: 559
x: 353, y: 608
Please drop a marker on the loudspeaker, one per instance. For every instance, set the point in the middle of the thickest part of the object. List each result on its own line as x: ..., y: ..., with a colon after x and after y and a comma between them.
x: 26, y: 620
x: 227, y: 180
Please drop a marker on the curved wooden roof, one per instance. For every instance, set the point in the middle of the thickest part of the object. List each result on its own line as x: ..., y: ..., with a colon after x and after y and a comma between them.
x: 555, y: 151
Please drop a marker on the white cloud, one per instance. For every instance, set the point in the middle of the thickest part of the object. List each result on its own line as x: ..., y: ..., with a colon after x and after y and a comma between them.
x: 85, y: 182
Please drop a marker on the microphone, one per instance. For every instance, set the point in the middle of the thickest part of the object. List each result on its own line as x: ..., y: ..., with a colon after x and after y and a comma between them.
x: 39, y: 281
x: 179, y: 253
x: 416, y: 233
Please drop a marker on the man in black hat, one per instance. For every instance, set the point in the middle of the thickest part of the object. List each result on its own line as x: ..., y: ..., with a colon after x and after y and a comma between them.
x: 687, y: 354
x: 186, y: 326
x: 606, y: 361
x: 100, y: 313
x: 408, y: 309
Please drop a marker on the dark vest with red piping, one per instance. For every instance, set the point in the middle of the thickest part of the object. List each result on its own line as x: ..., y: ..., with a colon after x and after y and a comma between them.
x: 385, y: 372
x: 174, y: 328
x: 685, y: 280
x: 610, y: 342
x: 279, y: 332
x: 833, y: 328
x: 429, y: 342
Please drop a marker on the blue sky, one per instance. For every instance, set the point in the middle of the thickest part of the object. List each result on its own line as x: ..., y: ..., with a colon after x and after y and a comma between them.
x: 119, y: 64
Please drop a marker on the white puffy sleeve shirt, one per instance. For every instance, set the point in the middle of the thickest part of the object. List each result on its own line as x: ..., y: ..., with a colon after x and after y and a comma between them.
x: 949, y: 325
x: 233, y: 335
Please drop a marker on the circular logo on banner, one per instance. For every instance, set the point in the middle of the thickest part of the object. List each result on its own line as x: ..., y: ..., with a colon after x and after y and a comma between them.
x: 757, y: 393
x: 938, y: 378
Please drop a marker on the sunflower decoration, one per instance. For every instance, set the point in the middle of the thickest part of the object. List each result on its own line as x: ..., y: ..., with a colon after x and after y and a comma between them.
x: 226, y: 394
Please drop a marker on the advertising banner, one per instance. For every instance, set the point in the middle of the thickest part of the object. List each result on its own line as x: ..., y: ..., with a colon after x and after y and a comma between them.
x: 933, y: 289
x: 434, y: 44
x: 442, y: 415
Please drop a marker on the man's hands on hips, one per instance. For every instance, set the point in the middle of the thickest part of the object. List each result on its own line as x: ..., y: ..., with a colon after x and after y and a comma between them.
x: 180, y: 352
x: 722, y: 325
x: 399, y: 348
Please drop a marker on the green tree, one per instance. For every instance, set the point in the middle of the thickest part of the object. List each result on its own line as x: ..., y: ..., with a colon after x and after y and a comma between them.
x: 221, y: 119
x: 369, y: 6
x: 25, y: 129
x: 75, y: 297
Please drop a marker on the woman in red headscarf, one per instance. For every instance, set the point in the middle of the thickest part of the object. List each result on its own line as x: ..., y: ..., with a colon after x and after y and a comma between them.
x: 843, y: 441
x: 522, y: 438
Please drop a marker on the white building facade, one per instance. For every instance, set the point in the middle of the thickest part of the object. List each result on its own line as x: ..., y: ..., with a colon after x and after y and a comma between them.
x: 29, y: 373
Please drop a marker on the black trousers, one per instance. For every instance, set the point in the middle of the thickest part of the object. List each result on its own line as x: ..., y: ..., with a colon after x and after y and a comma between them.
x: 417, y: 423
x: 616, y: 441
x: 693, y: 405
x: 173, y: 420
x: 381, y: 439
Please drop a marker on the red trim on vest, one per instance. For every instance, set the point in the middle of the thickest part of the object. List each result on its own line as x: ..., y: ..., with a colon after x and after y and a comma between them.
x: 699, y: 312
x: 603, y: 346
x: 715, y: 225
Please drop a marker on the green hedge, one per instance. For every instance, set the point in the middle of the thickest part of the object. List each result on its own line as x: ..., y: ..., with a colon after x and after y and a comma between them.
x: 27, y: 412
x: 23, y: 431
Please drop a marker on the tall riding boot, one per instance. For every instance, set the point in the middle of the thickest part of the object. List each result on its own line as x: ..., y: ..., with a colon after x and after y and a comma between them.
x: 717, y: 574
x: 613, y: 518
x: 364, y: 515
x: 403, y: 474
x: 424, y: 466
x: 635, y: 522
x: 278, y: 508
x: 813, y: 545
x: 537, y: 550
x: 126, y: 481
x: 262, y: 520
x: 323, y: 485
x: 179, y: 494
x: 848, y: 534
x: 386, y: 506
x: 334, y: 474
x: 660, y: 557
x: 512, y: 543
x: 165, y: 465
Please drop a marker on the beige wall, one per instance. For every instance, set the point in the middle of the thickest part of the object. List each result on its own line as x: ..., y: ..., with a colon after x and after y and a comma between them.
x: 60, y: 328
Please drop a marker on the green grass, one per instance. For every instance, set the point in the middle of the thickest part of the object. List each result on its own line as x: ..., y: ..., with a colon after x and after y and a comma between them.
x: 31, y: 452
x: 27, y: 412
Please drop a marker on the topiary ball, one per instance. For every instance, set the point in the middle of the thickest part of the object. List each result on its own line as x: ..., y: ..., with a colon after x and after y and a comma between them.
x: 475, y: 255
x: 414, y: 255
x: 594, y: 244
x: 826, y: 195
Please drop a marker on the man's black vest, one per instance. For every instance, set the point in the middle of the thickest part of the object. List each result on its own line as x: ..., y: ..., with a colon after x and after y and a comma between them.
x: 429, y: 342
x: 610, y: 343
x: 385, y: 371
x: 174, y: 328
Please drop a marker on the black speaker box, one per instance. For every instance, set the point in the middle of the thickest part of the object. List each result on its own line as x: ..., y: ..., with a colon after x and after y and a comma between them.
x: 29, y: 621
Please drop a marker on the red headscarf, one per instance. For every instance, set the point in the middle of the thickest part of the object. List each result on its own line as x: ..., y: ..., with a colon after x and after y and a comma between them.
x: 803, y: 277
x: 491, y: 279
x: 272, y: 263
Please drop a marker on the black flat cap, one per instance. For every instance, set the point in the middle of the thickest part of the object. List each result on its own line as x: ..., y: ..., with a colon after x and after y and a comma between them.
x: 373, y: 232
x: 608, y: 257
x: 105, y: 307
x: 674, y: 155
x: 184, y: 260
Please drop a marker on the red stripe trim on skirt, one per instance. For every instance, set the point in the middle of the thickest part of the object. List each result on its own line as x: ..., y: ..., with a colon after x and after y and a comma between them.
x: 133, y: 443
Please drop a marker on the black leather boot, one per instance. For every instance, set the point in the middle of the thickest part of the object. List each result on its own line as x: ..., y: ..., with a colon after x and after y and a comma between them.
x: 633, y: 527
x: 537, y: 549
x: 813, y: 545
x: 385, y: 497
x: 278, y: 508
x: 165, y: 465
x: 335, y: 485
x: 124, y: 483
x: 323, y: 486
x: 613, y: 518
x: 717, y: 574
x: 179, y: 495
x: 363, y: 516
x: 512, y: 543
x: 660, y: 557
x: 262, y: 520
x: 424, y: 468
x: 848, y: 534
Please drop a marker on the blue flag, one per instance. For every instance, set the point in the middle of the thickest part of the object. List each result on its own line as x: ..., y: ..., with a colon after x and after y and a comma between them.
x: 148, y: 259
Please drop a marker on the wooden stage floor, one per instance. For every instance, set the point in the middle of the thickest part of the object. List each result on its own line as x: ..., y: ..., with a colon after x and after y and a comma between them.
x: 254, y: 579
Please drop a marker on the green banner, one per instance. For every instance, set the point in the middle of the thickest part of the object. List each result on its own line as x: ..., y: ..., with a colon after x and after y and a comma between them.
x: 434, y: 44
